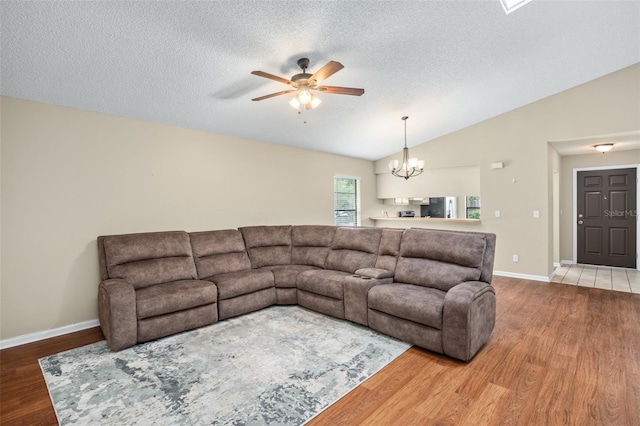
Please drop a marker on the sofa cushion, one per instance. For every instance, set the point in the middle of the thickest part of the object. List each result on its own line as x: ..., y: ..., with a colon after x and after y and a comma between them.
x: 285, y: 276
x: 439, y: 259
x: 310, y: 244
x: 235, y: 284
x: 268, y: 245
x: 353, y: 249
x: 461, y: 248
x: 324, y: 282
x: 219, y: 252
x: 174, y: 296
x: 149, y: 258
x: 389, y: 249
x: 421, y: 305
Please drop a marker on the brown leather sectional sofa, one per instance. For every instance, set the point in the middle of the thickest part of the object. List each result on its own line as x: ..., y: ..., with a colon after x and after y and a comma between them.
x: 431, y: 288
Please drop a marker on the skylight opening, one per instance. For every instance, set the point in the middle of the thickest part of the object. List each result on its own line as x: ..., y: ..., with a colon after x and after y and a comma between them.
x: 511, y: 5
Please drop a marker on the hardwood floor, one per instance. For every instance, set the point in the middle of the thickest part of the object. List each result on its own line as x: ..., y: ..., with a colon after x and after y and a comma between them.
x: 24, y: 399
x: 560, y: 354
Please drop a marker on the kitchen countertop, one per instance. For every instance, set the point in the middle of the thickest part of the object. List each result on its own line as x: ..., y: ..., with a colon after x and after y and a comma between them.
x: 426, y: 219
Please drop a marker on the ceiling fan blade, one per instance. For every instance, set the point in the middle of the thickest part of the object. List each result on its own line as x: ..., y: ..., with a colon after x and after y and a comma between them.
x: 327, y: 71
x: 341, y: 90
x: 284, y: 92
x: 271, y: 77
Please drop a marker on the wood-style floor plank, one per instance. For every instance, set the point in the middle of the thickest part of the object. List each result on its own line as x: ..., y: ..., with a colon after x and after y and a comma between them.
x: 24, y: 399
x: 559, y: 354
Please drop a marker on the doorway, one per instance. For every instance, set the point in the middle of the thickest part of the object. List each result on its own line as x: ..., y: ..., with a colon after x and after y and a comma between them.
x: 605, y: 220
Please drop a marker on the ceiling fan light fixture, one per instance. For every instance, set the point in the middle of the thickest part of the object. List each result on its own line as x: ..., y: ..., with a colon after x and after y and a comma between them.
x: 315, y: 101
x: 304, y: 96
x: 295, y: 103
x: 605, y: 147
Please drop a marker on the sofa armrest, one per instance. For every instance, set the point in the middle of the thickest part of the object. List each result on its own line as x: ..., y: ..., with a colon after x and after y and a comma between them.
x: 377, y: 273
x: 117, y: 313
x: 356, y: 293
x: 469, y: 316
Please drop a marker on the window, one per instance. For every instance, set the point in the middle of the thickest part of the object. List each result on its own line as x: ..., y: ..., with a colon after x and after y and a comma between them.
x: 345, y: 201
x: 473, y: 206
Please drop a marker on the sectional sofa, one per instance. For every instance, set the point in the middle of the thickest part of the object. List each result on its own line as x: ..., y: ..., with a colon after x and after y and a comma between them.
x: 431, y: 288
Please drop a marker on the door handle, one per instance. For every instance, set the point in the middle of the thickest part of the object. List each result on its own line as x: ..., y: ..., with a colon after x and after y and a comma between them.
x: 580, y: 222
x: 580, y: 216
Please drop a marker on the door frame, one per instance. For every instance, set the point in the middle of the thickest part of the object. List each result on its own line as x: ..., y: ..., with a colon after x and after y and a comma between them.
x: 575, y: 205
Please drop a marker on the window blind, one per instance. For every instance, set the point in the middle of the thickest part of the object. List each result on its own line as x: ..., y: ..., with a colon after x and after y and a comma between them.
x: 345, y: 196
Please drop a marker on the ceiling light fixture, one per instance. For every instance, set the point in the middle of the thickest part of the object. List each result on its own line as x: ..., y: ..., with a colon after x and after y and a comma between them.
x: 410, y: 166
x: 605, y: 147
x: 306, y: 99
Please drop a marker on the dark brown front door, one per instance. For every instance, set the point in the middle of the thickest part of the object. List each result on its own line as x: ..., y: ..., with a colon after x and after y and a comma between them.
x: 607, y: 217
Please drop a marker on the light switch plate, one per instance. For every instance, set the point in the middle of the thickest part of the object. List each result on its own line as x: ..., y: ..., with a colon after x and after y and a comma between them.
x: 536, y: 214
x: 497, y: 213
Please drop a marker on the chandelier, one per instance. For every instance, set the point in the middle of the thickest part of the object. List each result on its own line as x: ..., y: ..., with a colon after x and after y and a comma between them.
x: 410, y: 166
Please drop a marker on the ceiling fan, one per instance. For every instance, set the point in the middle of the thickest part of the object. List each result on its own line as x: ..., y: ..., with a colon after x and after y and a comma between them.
x: 303, y: 83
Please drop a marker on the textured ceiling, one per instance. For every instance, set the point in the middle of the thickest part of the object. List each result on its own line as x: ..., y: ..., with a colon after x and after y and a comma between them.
x: 446, y: 65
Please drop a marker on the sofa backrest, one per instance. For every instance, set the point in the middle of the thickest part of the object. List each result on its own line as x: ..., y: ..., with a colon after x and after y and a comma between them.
x: 389, y: 249
x: 146, y: 259
x: 443, y: 259
x: 310, y: 244
x: 353, y: 249
x: 219, y: 252
x: 268, y: 245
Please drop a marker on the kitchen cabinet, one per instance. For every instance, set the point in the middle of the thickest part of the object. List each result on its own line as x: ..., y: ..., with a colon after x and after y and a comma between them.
x: 396, y: 202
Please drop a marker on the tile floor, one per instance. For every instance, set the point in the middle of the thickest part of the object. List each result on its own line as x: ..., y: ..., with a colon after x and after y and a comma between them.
x: 604, y: 277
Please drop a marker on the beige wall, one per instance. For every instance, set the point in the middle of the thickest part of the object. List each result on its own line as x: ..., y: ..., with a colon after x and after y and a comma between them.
x: 612, y: 158
x: 519, y: 138
x: 70, y: 175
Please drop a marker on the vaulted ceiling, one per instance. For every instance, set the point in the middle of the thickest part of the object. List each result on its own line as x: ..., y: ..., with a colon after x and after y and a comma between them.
x: 445, y: 64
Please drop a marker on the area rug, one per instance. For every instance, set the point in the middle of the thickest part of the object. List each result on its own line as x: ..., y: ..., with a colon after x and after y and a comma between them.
x: 278, y: 366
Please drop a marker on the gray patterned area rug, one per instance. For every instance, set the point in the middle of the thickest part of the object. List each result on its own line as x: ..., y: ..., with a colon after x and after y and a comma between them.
x: 278, y: 366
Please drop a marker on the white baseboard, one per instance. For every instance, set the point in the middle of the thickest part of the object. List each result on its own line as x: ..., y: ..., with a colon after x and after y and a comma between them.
x: 522, y: 276
x: 41, y: 335
x: 567, y: 262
